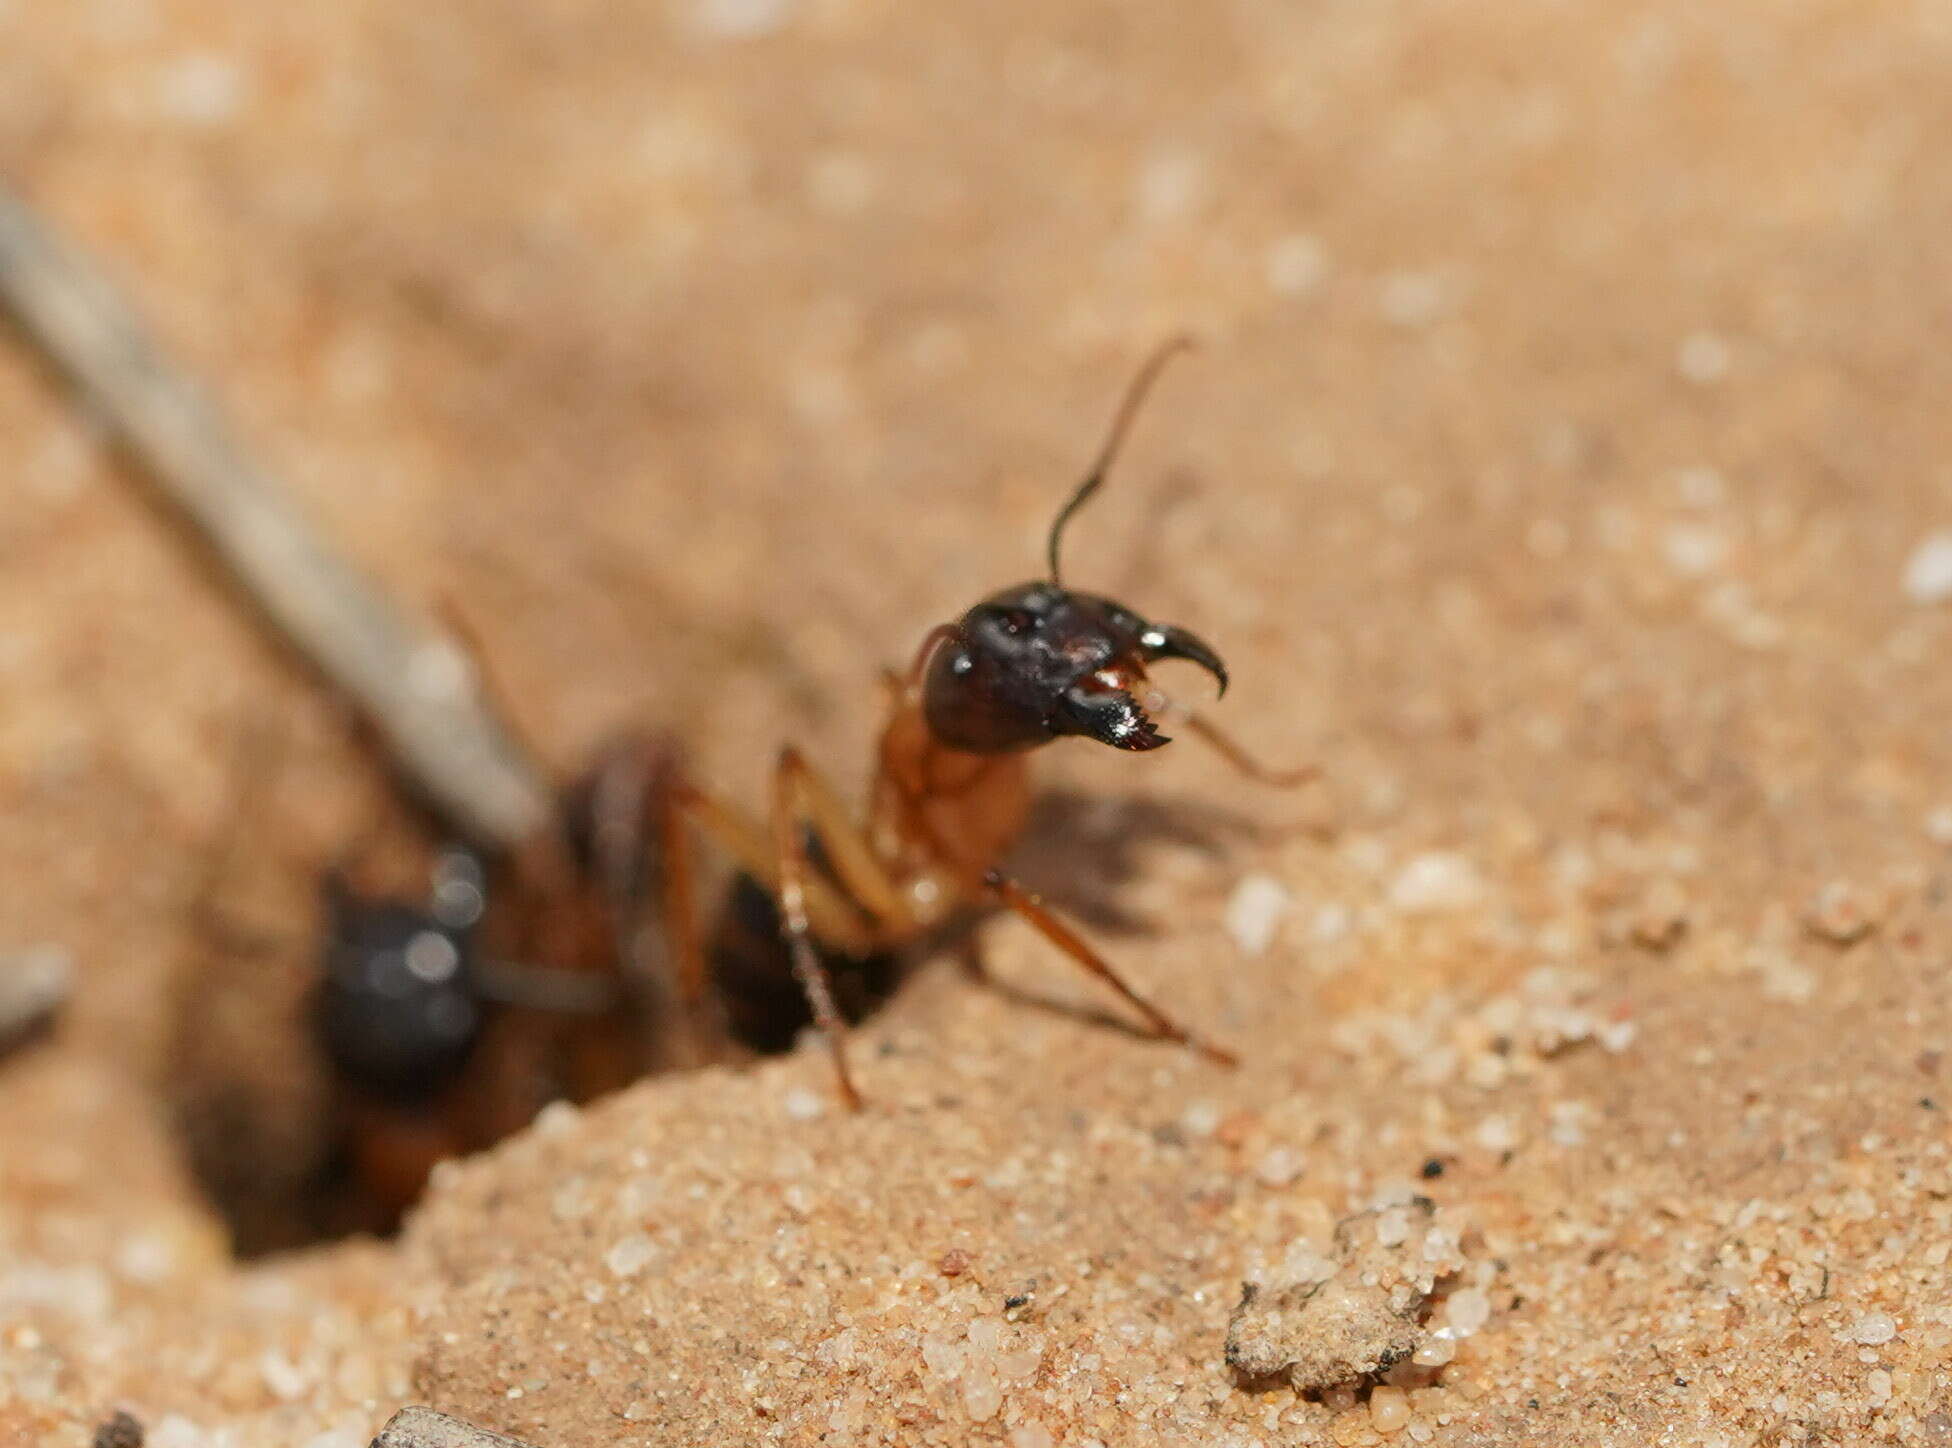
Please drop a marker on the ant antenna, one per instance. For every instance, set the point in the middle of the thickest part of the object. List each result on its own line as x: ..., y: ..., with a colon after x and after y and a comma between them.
x: 1114, y: 439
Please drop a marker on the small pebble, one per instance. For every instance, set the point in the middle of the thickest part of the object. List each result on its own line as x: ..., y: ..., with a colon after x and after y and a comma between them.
x: 1436, y: 883
x: 285, y: 1378
x: 1497, y: 1133
x: 205, y: 89
x: 1295, y: 265
x: 176, y: 1431
x: 1281, y: 1166
x: 942, y: 1354
x: 1694, y: 550
x: 741, y: 19
x: 1873, y: 1328
x: 572, y: 1201
x: 1254, y: 912
x: 1467, y: 1311
x: 1331, y: 923
x: 1938, y: 826
x: 34, y: 985
x: 1389, y: 1410
x: 981, y: 1397
x: 802, y: 1104
x: 1413, y: 299
x: 1436, y: 1351
x: 1928, y: 573
x: 1393, y: 1227
x: 1839, y: 914
x: 1703, y: 358
x: 1701, y: 486
x: 630, y: 1255
x: 841, y: 183
x: 418, y: 1427
x: 1172, y: 184
x: 1615, y: 1036
x: 1200, y: 1119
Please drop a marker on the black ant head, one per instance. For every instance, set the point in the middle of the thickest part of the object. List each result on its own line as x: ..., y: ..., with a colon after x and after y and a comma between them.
x: 398, y: 1010
x: 1040, y: 661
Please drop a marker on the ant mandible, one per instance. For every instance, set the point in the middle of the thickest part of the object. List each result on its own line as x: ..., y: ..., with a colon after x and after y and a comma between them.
x: 950, y: 787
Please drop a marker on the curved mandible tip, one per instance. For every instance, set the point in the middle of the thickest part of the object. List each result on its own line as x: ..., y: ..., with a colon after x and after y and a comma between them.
x: 1128, y: 408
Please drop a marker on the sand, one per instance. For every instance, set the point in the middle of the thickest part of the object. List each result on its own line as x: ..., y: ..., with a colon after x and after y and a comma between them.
x: 1563, y: 468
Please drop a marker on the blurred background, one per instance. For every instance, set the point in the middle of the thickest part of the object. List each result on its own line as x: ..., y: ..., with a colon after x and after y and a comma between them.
x: 1568, y: 416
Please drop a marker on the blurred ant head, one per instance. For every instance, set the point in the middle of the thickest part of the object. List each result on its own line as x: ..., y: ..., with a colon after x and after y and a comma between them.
x: 1039, y: 661
x: 399, y: 1009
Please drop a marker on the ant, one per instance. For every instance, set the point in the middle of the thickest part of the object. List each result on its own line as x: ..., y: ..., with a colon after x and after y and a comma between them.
x: 950, y: 788
x: 437, y: 1025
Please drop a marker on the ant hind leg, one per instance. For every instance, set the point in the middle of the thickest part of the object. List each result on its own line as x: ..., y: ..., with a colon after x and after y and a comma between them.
x: 1048, y: 925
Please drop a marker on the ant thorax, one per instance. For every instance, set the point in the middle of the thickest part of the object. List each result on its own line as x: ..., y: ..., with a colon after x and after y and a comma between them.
x: 948, y: 813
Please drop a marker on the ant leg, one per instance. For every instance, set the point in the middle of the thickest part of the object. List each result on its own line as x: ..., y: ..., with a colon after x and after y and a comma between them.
x: 633, y: 832
x: 1072, y: 944
x: 683, y: 932
x: 682, y: 805
x: 807, y: 966
x: 798, y: 788
x: 680, y: 903
x: 1230, y: 750
x: 848, y: 850
x: 834, y: 919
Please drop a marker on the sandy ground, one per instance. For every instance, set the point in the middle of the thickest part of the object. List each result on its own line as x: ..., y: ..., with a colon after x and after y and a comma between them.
x: 1570, y: 418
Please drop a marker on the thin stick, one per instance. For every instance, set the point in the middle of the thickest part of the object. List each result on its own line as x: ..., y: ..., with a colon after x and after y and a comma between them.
x: 411, y: 682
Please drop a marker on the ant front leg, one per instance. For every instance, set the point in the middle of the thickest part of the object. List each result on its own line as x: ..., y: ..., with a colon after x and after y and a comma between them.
x: 807, y: 966
x: 830, y: 916
x: 1047, y: 924
x: 800, y: 796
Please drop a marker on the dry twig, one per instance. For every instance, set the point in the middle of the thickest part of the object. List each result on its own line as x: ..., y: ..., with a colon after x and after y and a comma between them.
x: 418, y: 690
